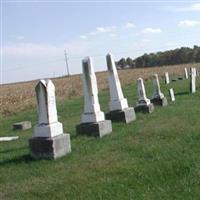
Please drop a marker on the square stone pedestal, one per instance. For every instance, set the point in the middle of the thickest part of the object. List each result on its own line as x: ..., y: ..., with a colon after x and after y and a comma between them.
x: 50, y: 147
x: 127, y: 115
x: 144, y: 108
x: 159, y: 101
x: 97, y: 129
x: 22, y: 125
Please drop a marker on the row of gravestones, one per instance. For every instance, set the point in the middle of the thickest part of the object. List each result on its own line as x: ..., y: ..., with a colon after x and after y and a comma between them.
x: 48, y: 139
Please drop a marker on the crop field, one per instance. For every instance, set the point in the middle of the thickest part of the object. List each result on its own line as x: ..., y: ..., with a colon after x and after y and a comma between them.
x: 21, y: 96
x: 155, y: 157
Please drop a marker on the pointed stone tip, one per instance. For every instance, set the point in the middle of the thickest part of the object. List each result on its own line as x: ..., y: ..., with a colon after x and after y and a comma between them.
x: 109, y: 55
x: 86, y: 59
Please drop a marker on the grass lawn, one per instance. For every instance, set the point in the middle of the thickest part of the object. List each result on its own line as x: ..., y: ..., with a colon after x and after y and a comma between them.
x: 155, y: 157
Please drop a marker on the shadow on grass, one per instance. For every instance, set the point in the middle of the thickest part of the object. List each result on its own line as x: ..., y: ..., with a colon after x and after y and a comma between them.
x: 182, y: 93
x: 11, y: 150
x: 21, y: 159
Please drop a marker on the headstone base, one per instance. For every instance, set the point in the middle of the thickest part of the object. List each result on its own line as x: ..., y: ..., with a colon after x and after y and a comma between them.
x: 127, y: 115
x: 159, y: 101
x: 145, y: 108
x: 22, y: 125
x: 50, y: 148
x: 97, y: 129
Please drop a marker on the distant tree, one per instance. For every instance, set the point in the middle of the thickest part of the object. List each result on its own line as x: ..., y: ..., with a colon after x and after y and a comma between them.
x: 171, y: 57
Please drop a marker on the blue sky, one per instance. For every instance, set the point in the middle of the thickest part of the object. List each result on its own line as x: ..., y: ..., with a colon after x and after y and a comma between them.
x: 35, y: 34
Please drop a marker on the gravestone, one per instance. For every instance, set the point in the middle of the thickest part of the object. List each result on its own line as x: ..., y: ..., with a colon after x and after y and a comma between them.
x: 158, y: 97
x: 10, y: 138
x: 171, y: 94
x: 48, y: 139
x: 144, y: 104
x: 93, y: 119
x: 192, y: 80
x: 24, y: 125
x: 118, y: 105
x: 167, y: 78
x: 186, y: 73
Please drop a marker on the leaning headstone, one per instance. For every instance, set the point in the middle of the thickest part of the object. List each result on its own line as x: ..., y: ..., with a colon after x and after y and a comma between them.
x: 171, y: 94
x: 158, y: 97
x: 6, y: 139
x: 118, y: 105
x: 192, y: 80
x: 48, y: 139
x: 24, y: 125
x: 144, y: 104
x: 186, y: 73
x: 167, y: 78
x: 93, y: 119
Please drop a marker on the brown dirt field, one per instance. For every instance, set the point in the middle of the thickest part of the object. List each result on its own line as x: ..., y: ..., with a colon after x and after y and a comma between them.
x: 20, y: 96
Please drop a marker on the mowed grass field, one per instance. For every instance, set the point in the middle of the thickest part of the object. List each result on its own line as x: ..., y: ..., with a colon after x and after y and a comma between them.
x: 155, y: 157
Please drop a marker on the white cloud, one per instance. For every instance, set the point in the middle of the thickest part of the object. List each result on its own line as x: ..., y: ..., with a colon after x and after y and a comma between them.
x: 152, y: 30
x: 130, y: 25
x: 20, y: 37
x: 112, y: 34
x: 75, y: 47
x: 83, y: 37
x: 192, y: 7
x: 188, y: 23
x: 105, y: 29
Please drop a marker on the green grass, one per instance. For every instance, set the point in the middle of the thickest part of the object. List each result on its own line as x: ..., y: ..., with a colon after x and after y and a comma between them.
x: 155, y: 157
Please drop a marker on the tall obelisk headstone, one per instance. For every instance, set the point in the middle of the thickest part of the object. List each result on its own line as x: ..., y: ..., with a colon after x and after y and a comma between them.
x: 158, y: 97
x: 118, y: 105
x: 144, y: 104
x: 48, y: 139
x: 167, y: 78
x: 192, y: 80
x: 93, y: 119
x: 186, y: 73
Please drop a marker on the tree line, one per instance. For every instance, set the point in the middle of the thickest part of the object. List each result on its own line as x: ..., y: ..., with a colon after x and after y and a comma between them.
x: 171, y: 57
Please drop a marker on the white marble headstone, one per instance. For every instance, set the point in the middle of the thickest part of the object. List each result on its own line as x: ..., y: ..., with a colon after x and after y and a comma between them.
x: 142, y: 98
x: 186, y: 73
x: 92, y: 112
x: 117, y: 100
x: 171, y: 93
x: 48, y: 125
x: 192, y: 80
x: 156, y: 85
x: 167, y: 78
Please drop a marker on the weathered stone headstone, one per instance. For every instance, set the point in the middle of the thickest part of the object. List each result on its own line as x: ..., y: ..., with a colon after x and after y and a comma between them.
x: 93, y: 119
x: 144, y: 104
x: 186, y: 73
x: 24, y: 125
x: 118, y: 105
x: 158, y: 97
x: 171, y: 94
x: 10, y: 138
x: 167, y: 78
x: 192, y: 80
x: 48, y: 139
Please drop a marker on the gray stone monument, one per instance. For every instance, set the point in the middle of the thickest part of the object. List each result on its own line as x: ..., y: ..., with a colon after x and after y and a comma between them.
x: 93, y: 119
x: 171, y: 94
x: 144, y: 104
x: 118, y: 105
x: 48, y: 139
x: 24, y: 125
x: 158, y: 97
x: 192, y: 80
x: 167, y: 78
x: 186, y: 73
